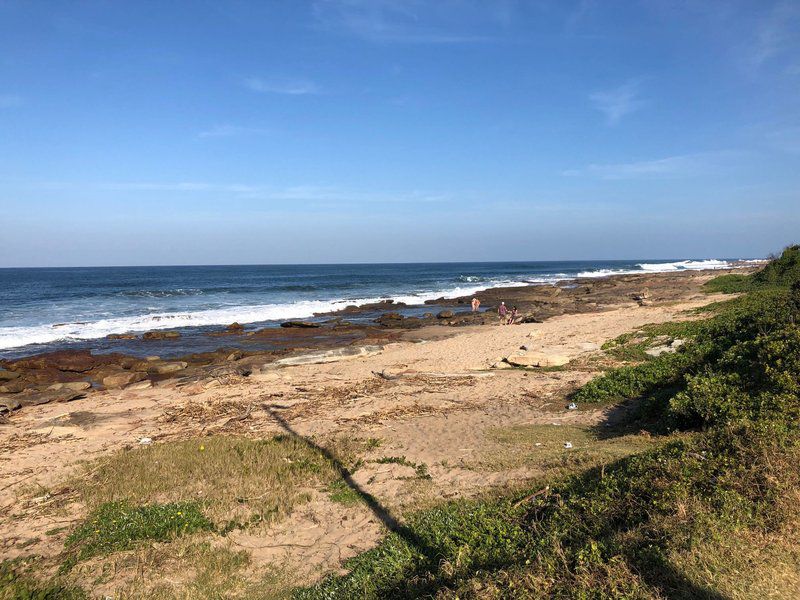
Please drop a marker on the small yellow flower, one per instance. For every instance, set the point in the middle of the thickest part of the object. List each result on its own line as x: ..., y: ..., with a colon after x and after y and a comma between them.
x: 202, y: 448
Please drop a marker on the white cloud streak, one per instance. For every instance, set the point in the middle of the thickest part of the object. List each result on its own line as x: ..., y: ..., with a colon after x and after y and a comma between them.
x: 618, y: 102
x: 267, y: 193
x: 414, y: 21
x: 290, y: 87
x: 685, y: 165
x: 221, y: 131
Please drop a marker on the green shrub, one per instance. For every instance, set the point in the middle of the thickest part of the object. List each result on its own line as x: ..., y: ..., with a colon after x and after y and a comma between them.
x: 17, y: 583
x: 781, y: 271
x: 729, y: 284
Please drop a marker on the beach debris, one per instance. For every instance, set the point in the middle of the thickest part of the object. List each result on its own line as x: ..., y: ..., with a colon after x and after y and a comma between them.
x: 567, y: 445
x: 145, y: 441
x: 572, y: 406
x: 300, y: 324
x: 140, y: 385
x: 384, y: 375
x: 241, y: 417
x: 530, y: 497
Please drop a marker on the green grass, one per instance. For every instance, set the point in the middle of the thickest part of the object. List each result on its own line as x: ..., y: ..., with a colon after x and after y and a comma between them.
x: 116, y: 526
x: 341, y: 493
x: 236, y: 480
x: 420, y: 469
x: 17, y: 582
x: 541, y: 447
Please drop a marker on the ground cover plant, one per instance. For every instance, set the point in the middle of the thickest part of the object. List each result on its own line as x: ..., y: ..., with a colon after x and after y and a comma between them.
x: 624, y: 529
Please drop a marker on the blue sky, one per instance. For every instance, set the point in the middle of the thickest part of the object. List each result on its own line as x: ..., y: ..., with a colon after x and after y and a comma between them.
x: 396, y: 130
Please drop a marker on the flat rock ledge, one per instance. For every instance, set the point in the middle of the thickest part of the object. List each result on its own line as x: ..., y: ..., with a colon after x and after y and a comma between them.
x: 328, y: 356
x: 538, y: 359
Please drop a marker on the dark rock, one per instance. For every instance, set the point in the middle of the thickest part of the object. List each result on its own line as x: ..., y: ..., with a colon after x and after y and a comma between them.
x: 446, y: 314
x: 9, y: 403
x: 530, y: 319
x: 75, y: 386
x: 8, y: 375
x: 301, y: 324
x: 166, y: 368
x: 235, y: 328
x: 76, y: 361
x: 161, y: 335
x: 389, y: 318
x: 120, y: 380
x: 32, y: 398
x: 13, y: 387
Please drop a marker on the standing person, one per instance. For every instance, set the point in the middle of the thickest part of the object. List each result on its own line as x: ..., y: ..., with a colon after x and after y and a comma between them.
x: 512, y: 316
x: 476, y: 304
x: 502, y: 311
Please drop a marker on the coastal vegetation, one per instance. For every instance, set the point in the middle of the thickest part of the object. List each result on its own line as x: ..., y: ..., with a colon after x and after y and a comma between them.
x: 680, y: 520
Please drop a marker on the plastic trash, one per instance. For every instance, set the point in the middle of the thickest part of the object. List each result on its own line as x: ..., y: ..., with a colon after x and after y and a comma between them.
x: 145, y: 441
x: 572, y: 406
x: 567, y: 445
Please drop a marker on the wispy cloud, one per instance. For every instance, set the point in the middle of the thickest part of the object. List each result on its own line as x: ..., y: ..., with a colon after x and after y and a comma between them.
x: 292, y: 87
x: 414, y: 21
x: 618, y: 102
x: 10, y: 100
x: 247, y: 191
x: 683, y: 165
x: 231, y: 131
x: 775, y: 33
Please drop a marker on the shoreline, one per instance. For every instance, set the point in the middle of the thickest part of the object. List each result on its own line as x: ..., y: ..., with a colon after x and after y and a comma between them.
x: 65, y: 375
x: 96, y: 331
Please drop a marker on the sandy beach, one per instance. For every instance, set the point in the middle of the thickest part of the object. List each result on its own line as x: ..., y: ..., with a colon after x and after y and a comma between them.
x: 438, y: 413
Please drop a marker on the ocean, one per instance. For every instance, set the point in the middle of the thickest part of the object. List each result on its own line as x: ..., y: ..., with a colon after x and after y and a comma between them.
x: 55, y: 308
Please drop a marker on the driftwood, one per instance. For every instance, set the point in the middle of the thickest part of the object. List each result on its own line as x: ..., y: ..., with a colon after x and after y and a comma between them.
x: 242, y: 417
x: 384, y: 375
x: 544, y: 490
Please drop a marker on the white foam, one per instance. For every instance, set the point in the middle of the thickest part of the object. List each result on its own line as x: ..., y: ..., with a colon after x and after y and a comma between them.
x: 685, y: 265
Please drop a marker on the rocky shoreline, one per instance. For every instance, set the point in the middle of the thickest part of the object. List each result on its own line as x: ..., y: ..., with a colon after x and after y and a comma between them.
x: 63, y: 376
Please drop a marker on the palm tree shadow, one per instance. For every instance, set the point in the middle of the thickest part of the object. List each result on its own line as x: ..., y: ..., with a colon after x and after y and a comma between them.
x: 380, y: 511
